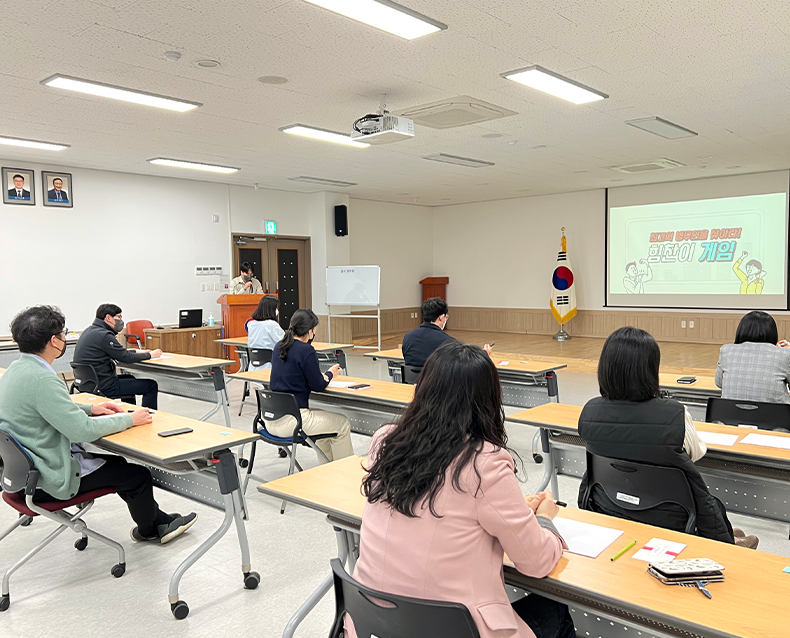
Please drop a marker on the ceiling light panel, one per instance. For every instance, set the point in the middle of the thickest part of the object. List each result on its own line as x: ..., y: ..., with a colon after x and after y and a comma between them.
x: 44, y: 146
x: 382, y: 14
x: 322, y: 134
x: 457, y: 160
x: 119, y: 93
x: 537, y: 77
x: 163, y: 161
x: 663, y: 128
x: 321, y: 180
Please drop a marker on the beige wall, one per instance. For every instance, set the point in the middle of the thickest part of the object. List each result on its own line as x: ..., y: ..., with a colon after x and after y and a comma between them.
x: 501, y: 254
x: 397, y: 237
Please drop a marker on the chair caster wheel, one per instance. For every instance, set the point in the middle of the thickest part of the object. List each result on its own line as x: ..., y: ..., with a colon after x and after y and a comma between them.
x: 80, y: 544
x: 5, y: 602
x: 180, y: 610
x: 118, y: 570
x: 281, y: 453
x: 252, y: 580
x: 27, y: 522
x: 538, y: 458
x: 243, y: 462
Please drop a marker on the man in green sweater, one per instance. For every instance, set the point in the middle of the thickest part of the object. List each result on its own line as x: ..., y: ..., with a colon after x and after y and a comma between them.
x: 36, y: 409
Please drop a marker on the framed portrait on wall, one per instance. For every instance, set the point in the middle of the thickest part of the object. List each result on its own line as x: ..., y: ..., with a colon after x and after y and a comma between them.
x: 19, y: 186
x: 56, y: 189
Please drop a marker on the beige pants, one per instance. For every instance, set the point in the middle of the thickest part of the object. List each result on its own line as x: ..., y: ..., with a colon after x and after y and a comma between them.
x: 319, y: 422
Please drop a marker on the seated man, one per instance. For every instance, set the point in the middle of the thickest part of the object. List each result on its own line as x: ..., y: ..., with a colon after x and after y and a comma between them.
x: 420, y: 343
x: 246, y: 283
x: 99, y: 347
x: 36, y: 409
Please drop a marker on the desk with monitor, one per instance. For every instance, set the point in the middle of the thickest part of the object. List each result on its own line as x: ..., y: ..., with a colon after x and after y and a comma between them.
x: 607, y: 598
x: 198, y: 378
x: 198, y: 465
x: 748, y: 479
x: 523, y: 379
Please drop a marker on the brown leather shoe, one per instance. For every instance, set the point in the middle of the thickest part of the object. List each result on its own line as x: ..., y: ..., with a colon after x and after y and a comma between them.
x: 748, y: 541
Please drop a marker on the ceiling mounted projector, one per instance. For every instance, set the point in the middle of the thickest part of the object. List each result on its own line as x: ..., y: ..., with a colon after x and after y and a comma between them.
x: 382, y: 128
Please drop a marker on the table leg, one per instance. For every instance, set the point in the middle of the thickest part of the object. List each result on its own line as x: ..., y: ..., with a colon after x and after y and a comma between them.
x: 228, y: 479
x: 322, y: 590
x: 550, y: 467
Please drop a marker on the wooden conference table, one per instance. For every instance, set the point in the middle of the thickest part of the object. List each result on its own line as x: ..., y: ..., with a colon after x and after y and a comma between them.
x: 605, y: 596
x: 696, y: 394
x: 197, y: 465
x: 199, y: 378
x: 523, y: 379
x: 749, y: 479
x: 367, y: 409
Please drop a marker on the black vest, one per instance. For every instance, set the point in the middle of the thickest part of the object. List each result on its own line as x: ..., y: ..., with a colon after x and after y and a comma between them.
x: 649, y: 432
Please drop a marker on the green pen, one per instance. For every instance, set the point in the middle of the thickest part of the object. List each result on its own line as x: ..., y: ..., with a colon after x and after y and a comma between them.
x: 623, y: 551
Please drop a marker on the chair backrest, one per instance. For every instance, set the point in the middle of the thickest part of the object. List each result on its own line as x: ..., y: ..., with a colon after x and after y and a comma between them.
x: 638, y: 487
x: 409, y: 374
x: 16, y: 463
x: 85, y: 377
x: 275, y: 405
x: 259, y: 356
x: 766, y: 416
x: 378, y: 614
x: 135, y: 330
x: 341, y: 359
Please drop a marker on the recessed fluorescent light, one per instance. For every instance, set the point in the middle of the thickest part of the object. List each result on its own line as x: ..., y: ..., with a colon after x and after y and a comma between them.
x: 321, y: 180
x: 455, y: 159
x: 385, y: 15
x: 45, y: 146
x: 118, y: 93
x: 665, y: 129
x: 554, y: 84
x: 162, y: 161
x: 322, y: 134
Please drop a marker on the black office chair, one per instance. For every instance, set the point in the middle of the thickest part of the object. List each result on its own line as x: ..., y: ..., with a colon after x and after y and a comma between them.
x: 19, y: 480
x: 255, y: 357
x: 271, y: 407
x: 638, y: 487
x: 766, y: 416
x: 341, y: 360
x: 398, y: 616
x: 87, y: 380
x: 409, y: 374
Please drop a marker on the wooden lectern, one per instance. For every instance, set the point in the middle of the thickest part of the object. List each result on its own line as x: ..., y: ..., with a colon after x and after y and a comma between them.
x: 236, y: 310
x: 434, y: 287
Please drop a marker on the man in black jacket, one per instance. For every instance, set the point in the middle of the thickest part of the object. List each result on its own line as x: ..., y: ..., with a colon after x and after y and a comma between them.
x: 99, y: 347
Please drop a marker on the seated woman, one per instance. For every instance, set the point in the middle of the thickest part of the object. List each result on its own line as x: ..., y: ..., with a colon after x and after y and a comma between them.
x: 264, y: 331
x: 443, y: 497
x: 630, y: 422
x: 757, y: 366
x: 295, y: 369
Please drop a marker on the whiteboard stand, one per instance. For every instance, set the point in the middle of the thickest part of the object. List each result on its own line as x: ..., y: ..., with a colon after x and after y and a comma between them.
x: 377, y: 317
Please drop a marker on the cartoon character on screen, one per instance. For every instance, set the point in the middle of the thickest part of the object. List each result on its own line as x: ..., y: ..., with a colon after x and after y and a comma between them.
x: 752, y: 280
x: 637, y: 276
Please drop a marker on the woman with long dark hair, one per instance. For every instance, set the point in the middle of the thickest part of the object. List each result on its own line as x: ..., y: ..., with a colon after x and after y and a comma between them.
x: 630, y: 422
x: 444, y: 504
x: 263, y: 331
x: 295, y: 369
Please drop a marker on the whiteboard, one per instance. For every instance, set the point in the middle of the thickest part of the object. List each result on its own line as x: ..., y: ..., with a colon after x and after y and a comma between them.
x: 353, y: 285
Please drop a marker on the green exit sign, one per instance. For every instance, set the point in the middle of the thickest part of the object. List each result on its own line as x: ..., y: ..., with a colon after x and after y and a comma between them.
x: 271, y: 228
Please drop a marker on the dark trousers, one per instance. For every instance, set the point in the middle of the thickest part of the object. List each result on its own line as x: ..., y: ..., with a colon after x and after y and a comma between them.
x: 133, y: 484
x: 128, y: 386
x: 546, y: 617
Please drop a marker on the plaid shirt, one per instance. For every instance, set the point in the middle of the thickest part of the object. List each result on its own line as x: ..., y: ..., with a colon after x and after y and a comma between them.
x: 754, y: 372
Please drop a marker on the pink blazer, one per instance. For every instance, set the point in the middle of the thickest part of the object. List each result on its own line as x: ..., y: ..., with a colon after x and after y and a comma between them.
x: 458, y: 557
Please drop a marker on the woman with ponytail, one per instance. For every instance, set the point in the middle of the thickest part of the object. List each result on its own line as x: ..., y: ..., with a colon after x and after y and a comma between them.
x: 295, y: 369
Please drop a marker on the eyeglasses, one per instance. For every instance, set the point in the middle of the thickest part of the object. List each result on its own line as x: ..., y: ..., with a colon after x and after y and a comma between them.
x: 63, y: 333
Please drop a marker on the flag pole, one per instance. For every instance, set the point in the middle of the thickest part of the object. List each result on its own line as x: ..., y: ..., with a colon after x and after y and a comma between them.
x: 561, y: 334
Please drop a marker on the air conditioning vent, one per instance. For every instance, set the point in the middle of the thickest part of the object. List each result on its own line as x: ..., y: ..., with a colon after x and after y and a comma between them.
x: 662, y: 164
x: 454, y: 112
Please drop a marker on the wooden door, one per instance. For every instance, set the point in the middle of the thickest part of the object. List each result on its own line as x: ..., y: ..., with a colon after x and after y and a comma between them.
x: 255, y: 251
x: 288, y: 258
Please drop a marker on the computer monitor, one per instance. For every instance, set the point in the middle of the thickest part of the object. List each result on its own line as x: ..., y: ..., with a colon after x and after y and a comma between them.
x: 192, y: 318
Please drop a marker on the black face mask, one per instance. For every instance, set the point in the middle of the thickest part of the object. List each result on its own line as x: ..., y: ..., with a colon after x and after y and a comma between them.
x: 119, y: 324
x: 247, y: 277
x: 62, y: 352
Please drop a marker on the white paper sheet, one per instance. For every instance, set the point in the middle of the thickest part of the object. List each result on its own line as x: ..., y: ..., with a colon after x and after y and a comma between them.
x: 341, y: 384
x: 716, y: 438
x: 162, y: 356
x: 658, y: 551
x: 767, y: 440
x: 584, y: 538
x: 503, y: 363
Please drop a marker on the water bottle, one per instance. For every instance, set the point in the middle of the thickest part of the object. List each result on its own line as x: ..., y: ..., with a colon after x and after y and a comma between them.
x: 210, y: 319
